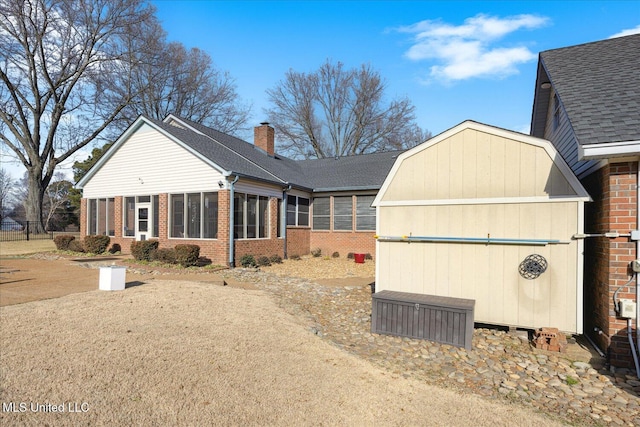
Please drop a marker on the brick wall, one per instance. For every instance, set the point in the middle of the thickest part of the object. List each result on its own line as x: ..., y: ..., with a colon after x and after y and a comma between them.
x: 607, y: 261
x: 344, y: 242
x: 298, y: 241
x: 83, y: 217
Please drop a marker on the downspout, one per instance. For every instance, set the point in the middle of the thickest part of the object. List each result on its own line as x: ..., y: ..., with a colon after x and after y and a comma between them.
x: 283, y: 219
x: 232, y: 262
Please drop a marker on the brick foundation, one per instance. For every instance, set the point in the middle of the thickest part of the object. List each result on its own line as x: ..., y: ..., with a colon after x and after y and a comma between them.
x: 344, y: 242
x: 607, y: 261
x: 298, y: 241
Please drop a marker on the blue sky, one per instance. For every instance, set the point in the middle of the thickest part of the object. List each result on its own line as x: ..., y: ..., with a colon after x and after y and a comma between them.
x: 455, y: 60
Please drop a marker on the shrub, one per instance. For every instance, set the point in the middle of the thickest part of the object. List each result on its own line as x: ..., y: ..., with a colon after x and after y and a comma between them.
x: 75, y: 246
x: 115, y: 248
x: 350, y: 255
x: 316, y: 252
x: 368, y: 256
x: 144, y: 250
x: 166, y: 255
x: 187, y: 255
x: 62, y: 241
x: 96, y: 244
x: 247, y: 261
x: 275, y: 259
x: 203, y: 261
x: 336, y: 255
x: 295, y: 257
x: 264, y: 261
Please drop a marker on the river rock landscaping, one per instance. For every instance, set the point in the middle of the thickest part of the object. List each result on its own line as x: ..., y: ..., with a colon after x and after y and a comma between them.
x: 502, y: 364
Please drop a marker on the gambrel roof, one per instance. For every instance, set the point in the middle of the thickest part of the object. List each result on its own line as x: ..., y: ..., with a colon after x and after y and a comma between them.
x: 598, y: 84
x: 233, y: 156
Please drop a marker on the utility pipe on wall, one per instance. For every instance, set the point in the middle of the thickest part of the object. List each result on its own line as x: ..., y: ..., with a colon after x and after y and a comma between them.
x: 482, y: 240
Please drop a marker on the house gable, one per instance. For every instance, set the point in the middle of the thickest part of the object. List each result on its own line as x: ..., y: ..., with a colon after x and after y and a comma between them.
x: 145, y: 160
x: 474, y: 161
x: 595, y: 88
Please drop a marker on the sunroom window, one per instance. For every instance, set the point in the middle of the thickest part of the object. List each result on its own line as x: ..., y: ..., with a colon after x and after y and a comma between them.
x: 194, y: 215
x: 100, y: 217
x: 250, y: 216
x: 297, y: 211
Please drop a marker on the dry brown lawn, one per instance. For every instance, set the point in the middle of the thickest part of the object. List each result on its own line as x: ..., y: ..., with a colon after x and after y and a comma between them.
x: 188, y: 353
x: 26, y: 247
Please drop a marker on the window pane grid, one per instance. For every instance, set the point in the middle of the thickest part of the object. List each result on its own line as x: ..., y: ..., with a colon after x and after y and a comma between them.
x: 210, y: 209
x: 177, y: 215
x: 129, y: 216
x: 321, y: 213
x: 343, y: 213
x: 365, y: 214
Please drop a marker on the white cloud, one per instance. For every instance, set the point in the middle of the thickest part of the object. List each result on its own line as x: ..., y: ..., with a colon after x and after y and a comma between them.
x: 627, y: 32
x: 468, y: 50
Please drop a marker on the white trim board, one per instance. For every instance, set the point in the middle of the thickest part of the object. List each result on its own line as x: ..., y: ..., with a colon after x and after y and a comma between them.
x: 608, y: 149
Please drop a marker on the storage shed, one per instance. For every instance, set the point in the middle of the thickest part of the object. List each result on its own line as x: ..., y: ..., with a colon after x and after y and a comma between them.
x: 489, y: 215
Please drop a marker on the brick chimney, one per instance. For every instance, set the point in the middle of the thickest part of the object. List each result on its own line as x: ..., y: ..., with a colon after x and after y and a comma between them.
x: 264, y: 138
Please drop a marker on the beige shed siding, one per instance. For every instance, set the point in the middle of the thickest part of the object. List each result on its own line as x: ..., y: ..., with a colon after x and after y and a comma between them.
x: 476, y: 181
x: 473, y: 164
x: 150, y: 163
x: 487, y: 273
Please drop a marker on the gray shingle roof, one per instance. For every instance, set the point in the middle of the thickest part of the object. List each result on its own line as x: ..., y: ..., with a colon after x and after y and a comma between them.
x: 599, y: 86
x: 362, y: 172
x: 217, y: 153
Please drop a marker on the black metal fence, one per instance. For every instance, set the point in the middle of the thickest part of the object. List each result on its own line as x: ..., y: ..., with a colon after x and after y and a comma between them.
x: 27, y: 230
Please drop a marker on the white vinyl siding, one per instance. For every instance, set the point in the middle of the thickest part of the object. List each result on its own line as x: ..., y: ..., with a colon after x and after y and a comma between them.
x: 150, y: 163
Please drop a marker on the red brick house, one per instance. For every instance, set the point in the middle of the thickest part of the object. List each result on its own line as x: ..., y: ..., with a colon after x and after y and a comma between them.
x: 181, y: 182
x: 587, y: 103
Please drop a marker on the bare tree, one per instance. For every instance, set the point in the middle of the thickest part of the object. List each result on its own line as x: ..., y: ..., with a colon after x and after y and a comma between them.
x: 338, y: 112
x: 56, y: 200
x: 6, y: 192
x: 65, y: 75
x: 186, y: 83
